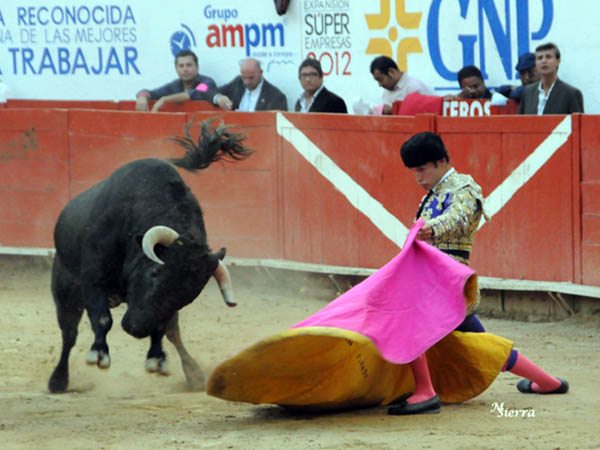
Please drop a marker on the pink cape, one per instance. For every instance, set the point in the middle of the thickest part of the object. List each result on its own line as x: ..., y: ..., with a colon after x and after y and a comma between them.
x: 407, y: 306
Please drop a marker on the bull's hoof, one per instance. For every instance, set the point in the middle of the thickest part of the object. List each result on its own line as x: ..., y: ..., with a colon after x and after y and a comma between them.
x: 197, y: 385
x: 194, y: 376
x: 157, y: 365
x: 58, y: 383
x: 101, y: 359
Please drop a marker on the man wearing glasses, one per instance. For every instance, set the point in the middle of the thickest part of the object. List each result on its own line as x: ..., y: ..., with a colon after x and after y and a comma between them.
x: 315, y: 98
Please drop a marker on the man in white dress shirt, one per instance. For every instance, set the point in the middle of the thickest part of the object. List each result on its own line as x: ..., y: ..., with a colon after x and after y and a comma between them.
x: 397, y: 84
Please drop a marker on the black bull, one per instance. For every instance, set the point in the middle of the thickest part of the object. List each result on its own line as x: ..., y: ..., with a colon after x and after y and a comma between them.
x: 138, y: 237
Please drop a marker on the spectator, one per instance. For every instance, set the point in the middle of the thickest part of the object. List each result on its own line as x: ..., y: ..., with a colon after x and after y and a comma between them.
x: 527, y: 74
x: 550, y: 95
x: 471, y: 84
x: 397, y: 84
x: 186, y: 65
x: 249, y: 91
x: 316, y: 98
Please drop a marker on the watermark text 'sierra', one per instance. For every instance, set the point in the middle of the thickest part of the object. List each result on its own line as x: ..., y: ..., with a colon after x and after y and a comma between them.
x: 501, y: 411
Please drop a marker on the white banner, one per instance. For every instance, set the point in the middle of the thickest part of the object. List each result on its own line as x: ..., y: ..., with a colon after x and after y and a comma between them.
x: 90, y: 50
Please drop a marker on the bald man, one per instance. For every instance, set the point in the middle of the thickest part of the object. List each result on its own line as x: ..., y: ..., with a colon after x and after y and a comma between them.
x: 249, y: 91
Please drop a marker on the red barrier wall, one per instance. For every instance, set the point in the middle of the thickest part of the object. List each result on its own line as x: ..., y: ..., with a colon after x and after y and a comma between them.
x: 91, y: 104
x: 277, y: 204
x: 34, y: 174
x: 129, y: 105
x: 535, y: 215
x: 590, y: 200
x: 125, y: 105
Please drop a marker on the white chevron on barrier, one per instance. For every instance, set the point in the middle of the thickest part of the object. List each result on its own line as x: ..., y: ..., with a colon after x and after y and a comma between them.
x: 528, y: 168
x: 358, y: 197
x: 386, y: 222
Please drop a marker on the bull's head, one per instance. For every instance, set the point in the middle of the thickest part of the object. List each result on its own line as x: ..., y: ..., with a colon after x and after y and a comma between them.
x: 173, y: 274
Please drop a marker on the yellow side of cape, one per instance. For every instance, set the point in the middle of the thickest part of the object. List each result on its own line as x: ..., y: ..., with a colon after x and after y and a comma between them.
x: 324, y: 368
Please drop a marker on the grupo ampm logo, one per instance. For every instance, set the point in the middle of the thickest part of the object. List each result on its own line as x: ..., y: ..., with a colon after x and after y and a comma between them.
x: 392, y: 45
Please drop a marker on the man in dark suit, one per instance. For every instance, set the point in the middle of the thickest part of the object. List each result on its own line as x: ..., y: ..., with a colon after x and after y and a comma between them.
x: 550, y: 95
x: 315, y: 97
x: 249, y: 91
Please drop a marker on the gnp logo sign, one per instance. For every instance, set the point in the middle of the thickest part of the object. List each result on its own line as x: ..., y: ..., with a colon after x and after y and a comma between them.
x: 480, y: 17
x: 249, y: 36
x: 383, y: 45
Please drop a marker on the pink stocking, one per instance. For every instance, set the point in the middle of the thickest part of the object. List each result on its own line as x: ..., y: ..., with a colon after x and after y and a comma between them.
x: 423, y: 387
x: 541, y: 381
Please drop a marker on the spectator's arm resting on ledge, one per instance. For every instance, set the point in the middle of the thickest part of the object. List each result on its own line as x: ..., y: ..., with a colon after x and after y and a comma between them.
x: 141, y: 100
x: 223, y: 102
x: 180, y: 97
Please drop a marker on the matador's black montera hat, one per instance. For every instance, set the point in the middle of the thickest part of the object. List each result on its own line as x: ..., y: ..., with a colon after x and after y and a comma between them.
x: 423, y: 148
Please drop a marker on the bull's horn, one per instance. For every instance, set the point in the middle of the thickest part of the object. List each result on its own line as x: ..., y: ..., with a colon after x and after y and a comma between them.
x: 224, y: 280
x: 159, y: 234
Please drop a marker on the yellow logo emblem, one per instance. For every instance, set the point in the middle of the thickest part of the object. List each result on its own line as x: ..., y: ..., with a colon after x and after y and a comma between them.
x: 381, y: 21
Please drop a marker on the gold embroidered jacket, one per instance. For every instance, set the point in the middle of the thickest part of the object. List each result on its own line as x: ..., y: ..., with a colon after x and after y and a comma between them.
x: 454, y: 210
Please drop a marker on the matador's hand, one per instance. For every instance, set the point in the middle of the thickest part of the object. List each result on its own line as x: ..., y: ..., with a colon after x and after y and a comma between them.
x: 425, y: 233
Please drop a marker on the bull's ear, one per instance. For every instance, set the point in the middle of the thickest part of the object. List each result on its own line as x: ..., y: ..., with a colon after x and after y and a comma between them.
x: 221, y: 253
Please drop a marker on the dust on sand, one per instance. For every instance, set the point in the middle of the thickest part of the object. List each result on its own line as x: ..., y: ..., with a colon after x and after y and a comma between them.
x: 125, y: 407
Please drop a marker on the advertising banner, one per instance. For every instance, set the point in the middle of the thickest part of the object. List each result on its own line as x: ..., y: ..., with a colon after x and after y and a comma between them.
x: 91, y: 50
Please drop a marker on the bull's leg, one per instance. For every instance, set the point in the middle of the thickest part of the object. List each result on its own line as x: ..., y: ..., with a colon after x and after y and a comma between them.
x: 156, y: 358
x: 193, y: 373
x: 97, y: 306
x: 69, y: 309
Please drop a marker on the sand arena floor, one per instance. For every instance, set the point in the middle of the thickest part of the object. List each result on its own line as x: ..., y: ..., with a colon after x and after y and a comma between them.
x: 126, y: 408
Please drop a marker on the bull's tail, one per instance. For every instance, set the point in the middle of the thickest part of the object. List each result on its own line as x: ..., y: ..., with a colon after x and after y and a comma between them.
x: 213, y: 145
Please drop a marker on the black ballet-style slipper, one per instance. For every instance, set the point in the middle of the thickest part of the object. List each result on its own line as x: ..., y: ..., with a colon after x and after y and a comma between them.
x: 400, y: 400
x: 524, y: 386
x: 431, y: 406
